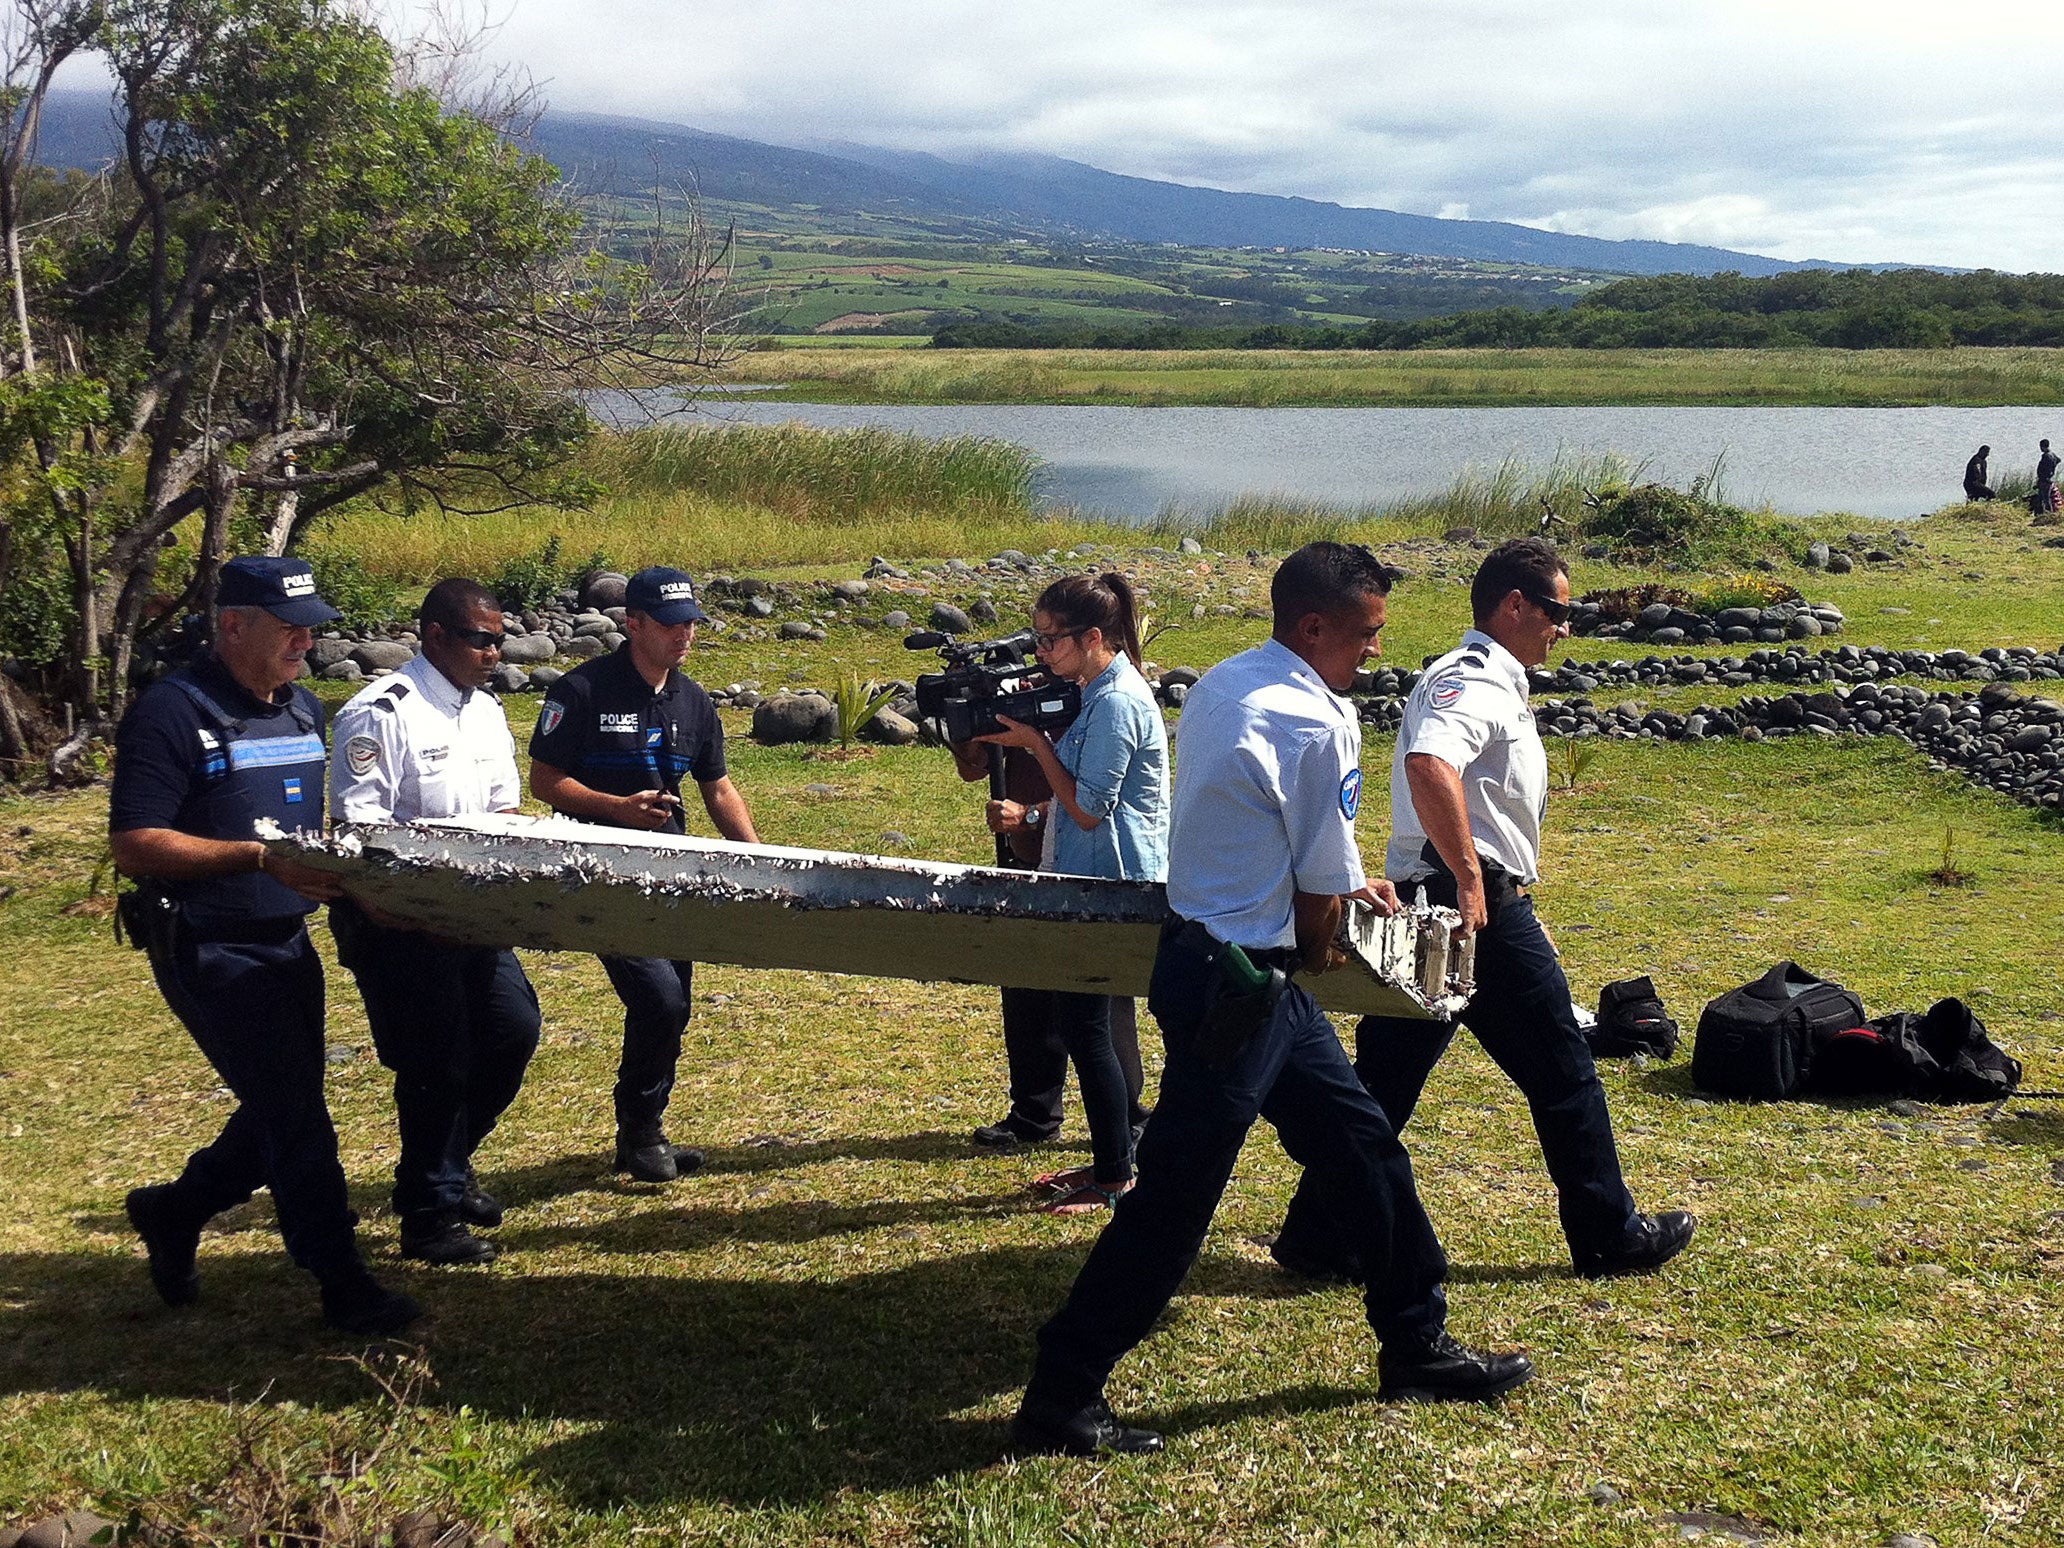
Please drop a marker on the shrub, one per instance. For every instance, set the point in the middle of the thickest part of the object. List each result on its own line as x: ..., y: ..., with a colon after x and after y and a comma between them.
x: 366, y: 600
x: 1724, y: 591
x: 1686, y: 526
x: 533, y: 579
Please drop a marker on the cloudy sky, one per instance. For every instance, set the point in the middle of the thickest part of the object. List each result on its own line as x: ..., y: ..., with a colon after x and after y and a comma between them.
x: 1881, y: 131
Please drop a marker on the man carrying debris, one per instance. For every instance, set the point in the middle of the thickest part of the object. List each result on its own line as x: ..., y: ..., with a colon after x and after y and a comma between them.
x: 1469, y: 788
x: 1261, y: 853
x: 456, y: 1024
x: 201, y: 757
x: 613, y: 742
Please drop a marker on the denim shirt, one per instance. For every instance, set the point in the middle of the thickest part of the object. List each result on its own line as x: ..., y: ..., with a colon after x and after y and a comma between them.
x: 1117, y: 749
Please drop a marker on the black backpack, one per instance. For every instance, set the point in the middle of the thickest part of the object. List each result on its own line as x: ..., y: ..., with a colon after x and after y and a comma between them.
x: 1759, y: 1041
x: 1631, y: 1020
x: 1944, y: 1056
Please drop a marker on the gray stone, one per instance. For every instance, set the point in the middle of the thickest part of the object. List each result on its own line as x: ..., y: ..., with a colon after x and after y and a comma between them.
x: 890, y: 729
x: 1183, y: 676
x: 377, y: 656
x: 2030, y: 739
x: 586, y: 647
x: 896, y: 618
x: 70, y: 1530
x: 794, y: 717
x: 509, y: 679
x: 982, y: 611
x: 528, y: 649
x: 326, y: 653
x: 795, y: 630
x: 603, y: 588
x: 1459, y: 535
x: 949, y: 619
x: 894, y: 840
x: 339, y: 1053
x: 1602, y: 1493
x: 759, y: 607
x: 1817, y: 555
x: 544, y: 677
x: 850, y: 590
x: 1802, y: 626
x: 1840, y: 564
x: 1654, y: 616
x: 1192, y: 547
x: 596, y: 627
x: 344, y: 672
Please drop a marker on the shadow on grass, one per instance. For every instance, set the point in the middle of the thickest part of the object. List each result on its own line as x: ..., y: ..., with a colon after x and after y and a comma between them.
x: 653, y: 1389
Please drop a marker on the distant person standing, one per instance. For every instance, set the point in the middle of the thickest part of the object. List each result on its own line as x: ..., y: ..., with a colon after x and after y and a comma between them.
x: 2045, y: 497
x: 1975, y: 487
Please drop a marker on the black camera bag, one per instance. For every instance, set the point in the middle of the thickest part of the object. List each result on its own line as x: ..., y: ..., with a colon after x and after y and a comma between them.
x: 1632, y: 1020
x: 1758, y: 1042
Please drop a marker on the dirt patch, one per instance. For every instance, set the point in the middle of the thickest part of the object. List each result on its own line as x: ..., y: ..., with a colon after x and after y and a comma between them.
x: 846, y: 322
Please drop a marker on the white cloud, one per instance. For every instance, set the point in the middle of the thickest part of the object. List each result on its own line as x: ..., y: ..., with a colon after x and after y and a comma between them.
x: 1831, y: 128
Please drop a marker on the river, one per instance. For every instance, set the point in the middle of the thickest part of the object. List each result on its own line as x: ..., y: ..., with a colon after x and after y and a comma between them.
x: 1135, y: 463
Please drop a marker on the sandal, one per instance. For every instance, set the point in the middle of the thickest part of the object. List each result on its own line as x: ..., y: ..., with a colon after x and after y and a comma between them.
x: 1066, y: 1180
x: 1087, y: 1199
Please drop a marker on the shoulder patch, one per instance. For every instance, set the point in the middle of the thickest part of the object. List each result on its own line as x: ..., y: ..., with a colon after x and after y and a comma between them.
x: 1351, y: 794
x: 1445, y: 690
x: 360, y: 754
x: 550, y: 716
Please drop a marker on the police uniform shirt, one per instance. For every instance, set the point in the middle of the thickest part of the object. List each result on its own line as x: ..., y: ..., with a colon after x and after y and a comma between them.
x: 606, y: 726
x: 1470, y: 710
x: 178, y: 767
x: 414, y: 744
x: 1268, y: 782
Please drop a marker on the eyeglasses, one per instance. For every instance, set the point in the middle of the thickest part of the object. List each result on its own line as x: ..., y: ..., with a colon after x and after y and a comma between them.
x: 1558, y: 612
x: 479, y: 639
x: 1049, y: 641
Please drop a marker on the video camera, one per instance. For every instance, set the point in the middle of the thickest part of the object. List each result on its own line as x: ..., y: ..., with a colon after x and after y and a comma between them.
x: 987, y: 679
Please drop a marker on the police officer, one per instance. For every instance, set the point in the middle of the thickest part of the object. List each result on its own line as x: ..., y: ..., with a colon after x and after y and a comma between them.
x: 202, y: 756
x: 1469, y: 788
x: 1261, y: 853
x: 613, y: 742
x: 456, y: 1024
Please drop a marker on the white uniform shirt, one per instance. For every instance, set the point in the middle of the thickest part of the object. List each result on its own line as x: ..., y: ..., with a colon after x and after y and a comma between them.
x: 414, y: 744
x: 1470, y: 711
x: 1268, y: 780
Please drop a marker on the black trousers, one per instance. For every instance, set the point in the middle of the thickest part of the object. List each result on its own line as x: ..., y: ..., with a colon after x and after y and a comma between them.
x: 1294, y: 1073
x: 255, y: 1009
x: 457, y: 1026
x: 1036, y: 1049
x: 1521, y: 1015
x: 655, y: 995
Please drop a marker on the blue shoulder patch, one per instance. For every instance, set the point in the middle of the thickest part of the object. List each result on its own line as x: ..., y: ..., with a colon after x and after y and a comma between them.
x: 1351, y: 794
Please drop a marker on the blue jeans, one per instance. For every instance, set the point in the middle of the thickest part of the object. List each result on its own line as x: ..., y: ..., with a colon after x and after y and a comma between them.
x: 1294, y: 1073
x: 1521, y: 1015
x: 457, y: 1026
x: 255, y: 1009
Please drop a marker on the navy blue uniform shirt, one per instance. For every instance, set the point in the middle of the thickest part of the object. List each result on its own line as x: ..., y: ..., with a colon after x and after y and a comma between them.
x: 177, y: 766
x: 603, y: 724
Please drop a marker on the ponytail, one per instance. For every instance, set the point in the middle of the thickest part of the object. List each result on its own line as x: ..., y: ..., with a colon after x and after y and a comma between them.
x: 1105, y: 602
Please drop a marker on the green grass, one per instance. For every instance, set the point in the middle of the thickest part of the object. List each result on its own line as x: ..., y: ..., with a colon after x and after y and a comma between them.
x: 1420, y: 378
x: 818, y: 1339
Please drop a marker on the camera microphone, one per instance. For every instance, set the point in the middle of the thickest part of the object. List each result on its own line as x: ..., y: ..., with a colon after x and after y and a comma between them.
x: 926, y: 639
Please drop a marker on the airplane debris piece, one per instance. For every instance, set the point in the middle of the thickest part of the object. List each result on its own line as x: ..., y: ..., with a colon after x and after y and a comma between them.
x: 555, y: 884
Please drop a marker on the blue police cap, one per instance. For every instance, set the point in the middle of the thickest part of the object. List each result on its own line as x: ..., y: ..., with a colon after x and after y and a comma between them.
x: 663, y: 595
x: 285, y: 588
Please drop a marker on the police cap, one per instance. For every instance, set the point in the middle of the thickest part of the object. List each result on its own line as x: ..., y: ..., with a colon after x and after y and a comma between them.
x: 663, y: 595
x: 285, y: 588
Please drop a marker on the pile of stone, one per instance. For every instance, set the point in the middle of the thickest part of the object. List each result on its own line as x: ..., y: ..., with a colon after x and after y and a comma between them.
x: 1665, y: 623
x: 2009, y: 743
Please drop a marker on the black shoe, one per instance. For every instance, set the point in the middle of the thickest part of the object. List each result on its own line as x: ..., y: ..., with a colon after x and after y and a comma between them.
x: 478, y: 1207
x: 656, y: 1161
x: 1040, y: 1430
x: 1011, y: 1135
x: 355, y: 1302
x: 1441, y: 1370
x: 171, y: 1238
x: 1345, y: 1269
x: 1651, y: 1241
x: 439, y: 1236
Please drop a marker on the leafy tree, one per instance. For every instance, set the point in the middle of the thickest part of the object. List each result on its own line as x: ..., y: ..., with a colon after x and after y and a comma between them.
x: 312, y: 275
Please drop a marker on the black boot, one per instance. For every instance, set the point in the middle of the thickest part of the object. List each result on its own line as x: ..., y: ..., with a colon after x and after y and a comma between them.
x: 1043, y: 1429
x: 655, y: 1159
x: 478, y: 1207
x: 355, y: 1302
x: 1650, y: 1242
x: 172, y: 1237
x: 439, y: 1236
x: 1443, y: 1370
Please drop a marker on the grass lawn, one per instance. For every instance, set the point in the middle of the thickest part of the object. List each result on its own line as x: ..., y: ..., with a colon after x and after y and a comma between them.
x: 820, y: 1338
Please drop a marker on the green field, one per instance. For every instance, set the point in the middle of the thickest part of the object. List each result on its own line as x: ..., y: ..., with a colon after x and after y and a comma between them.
x: 820, y: 1338
x: 1418, y: 378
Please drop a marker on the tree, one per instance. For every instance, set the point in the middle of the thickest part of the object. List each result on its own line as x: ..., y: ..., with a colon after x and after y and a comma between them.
x: 309, y: 276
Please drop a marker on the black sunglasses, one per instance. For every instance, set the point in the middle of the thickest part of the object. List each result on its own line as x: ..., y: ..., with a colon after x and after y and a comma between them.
x: 479, y: 639
x: 1558, y: 612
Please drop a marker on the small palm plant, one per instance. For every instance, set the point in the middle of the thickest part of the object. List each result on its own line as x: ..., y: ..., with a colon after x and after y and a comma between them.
x: 857, y: 703
x: 1573, y: 758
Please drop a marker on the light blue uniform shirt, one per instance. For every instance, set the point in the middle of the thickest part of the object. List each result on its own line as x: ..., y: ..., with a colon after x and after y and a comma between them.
x: 1117, y: 749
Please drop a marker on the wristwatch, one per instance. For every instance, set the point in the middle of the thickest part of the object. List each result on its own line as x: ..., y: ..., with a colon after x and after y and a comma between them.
x: 1034, y: 815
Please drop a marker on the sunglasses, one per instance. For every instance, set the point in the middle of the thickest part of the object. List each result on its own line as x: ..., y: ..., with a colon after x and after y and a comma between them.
x: 479, y: 639
x: 1049, y: 641
x: 1558, y: 612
